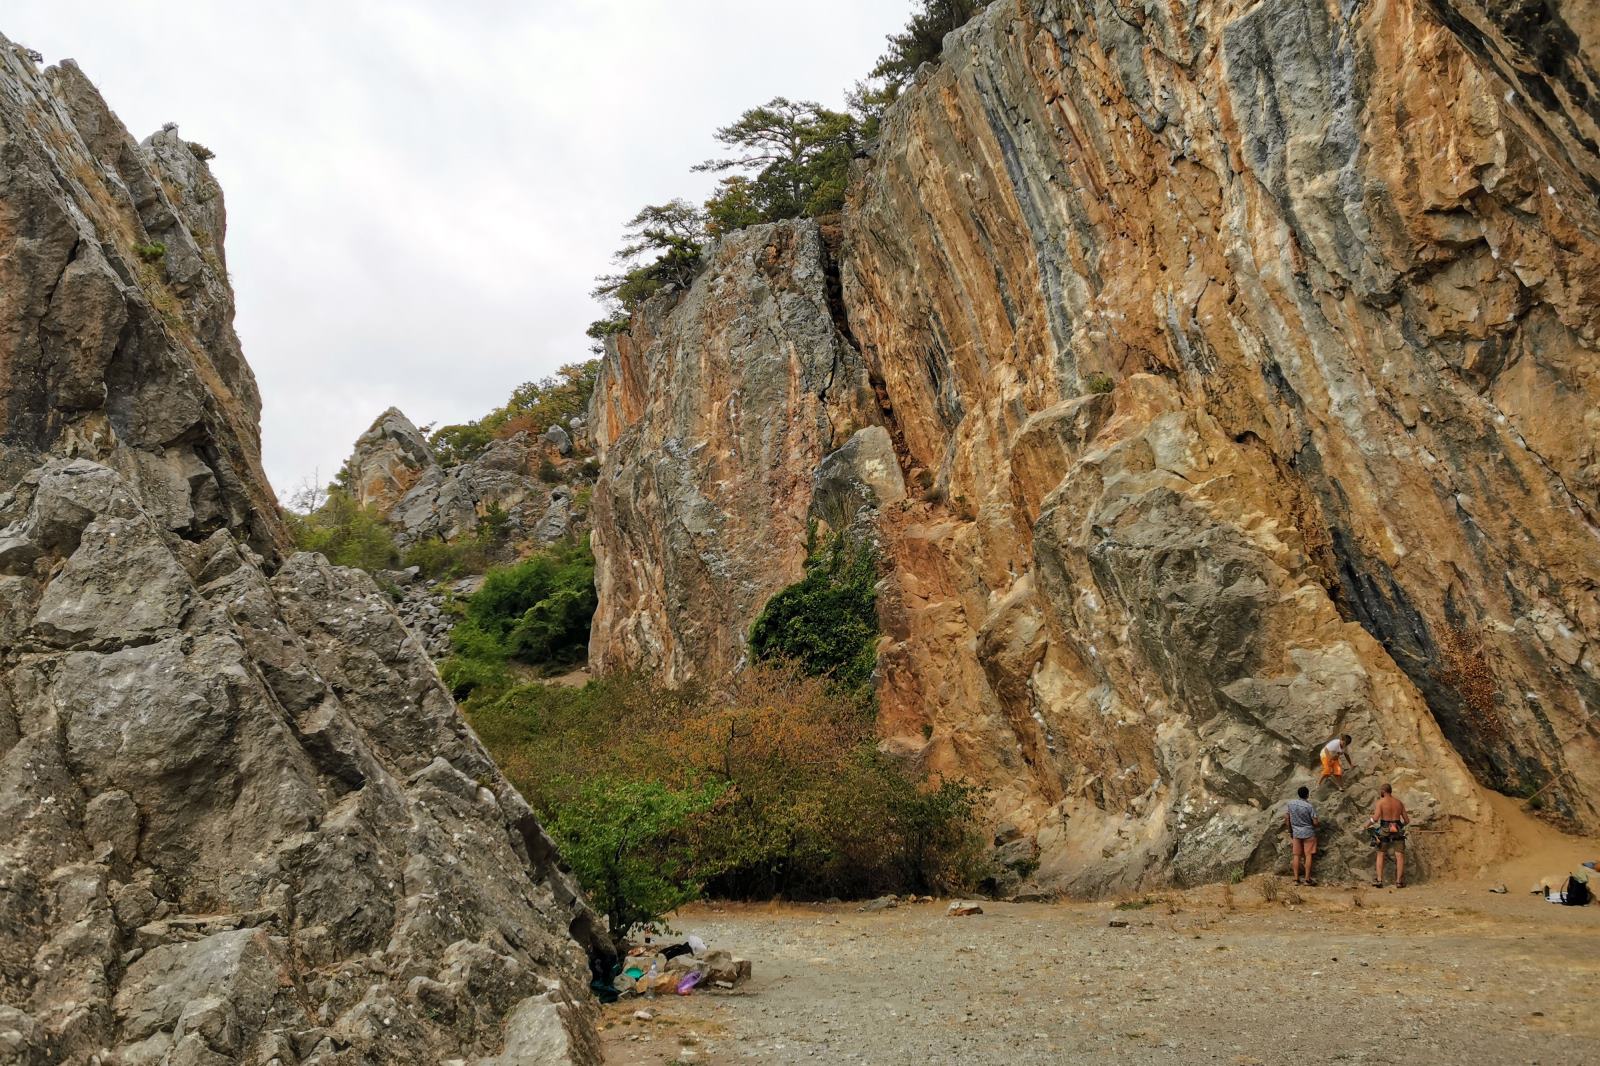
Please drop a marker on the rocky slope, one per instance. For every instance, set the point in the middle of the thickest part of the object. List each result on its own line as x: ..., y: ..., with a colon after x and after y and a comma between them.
x: 240, y: 818
x: 1239, y: 366
x: 519, y: 494
x: 527, y: 479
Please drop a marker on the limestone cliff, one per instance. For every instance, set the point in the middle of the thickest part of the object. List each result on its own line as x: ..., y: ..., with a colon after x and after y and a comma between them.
x: 118, y: 342
x: 1240, y: 365
x: 240, y: 817
x: 710, y: 418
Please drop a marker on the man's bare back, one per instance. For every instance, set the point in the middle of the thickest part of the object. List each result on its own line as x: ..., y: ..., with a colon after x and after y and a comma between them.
x: 1390, y: 814
x: 1389, y: 809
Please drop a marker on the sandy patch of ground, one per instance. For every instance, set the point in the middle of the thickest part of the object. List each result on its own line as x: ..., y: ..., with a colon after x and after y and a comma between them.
x: 1438, y: 973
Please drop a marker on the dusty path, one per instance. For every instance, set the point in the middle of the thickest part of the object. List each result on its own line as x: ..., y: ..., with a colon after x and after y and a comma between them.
x: 1453, y: 975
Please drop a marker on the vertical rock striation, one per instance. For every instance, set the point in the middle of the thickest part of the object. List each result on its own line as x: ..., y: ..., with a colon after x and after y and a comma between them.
x: 240, y: 817
x: 710, y: 419
x: 1240, y: 361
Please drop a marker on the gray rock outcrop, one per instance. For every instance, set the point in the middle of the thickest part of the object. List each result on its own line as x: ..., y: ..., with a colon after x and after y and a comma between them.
x: 240, y: 817
x: 118, y: 340
x: 393, y: 470
x: 387, y: 461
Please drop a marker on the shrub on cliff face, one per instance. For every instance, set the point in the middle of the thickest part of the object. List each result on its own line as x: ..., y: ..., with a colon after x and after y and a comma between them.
x: 344, y: 531
x: 827, y: 622
x: 535, y: 612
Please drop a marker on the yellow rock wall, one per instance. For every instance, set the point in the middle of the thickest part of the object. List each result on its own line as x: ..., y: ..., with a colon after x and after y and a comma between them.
x: 1241, y: 364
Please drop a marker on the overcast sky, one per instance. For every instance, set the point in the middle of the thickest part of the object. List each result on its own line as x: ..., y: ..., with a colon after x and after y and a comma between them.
x: 420, y: 192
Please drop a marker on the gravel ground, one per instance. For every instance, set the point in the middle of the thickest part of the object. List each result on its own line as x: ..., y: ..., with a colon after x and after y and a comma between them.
x: 1432, y: 974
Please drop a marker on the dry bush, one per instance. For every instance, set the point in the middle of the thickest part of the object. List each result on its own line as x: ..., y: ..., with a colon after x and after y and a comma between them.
x: 1269, y: 888
x: 809, y: 807
x: 1227, y: 897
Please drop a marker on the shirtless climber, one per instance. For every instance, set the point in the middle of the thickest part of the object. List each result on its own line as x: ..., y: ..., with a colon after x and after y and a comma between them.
x: 1388, y: 829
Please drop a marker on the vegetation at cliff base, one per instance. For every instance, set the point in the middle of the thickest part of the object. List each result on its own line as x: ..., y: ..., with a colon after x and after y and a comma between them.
x: 625, y: 839
x: 770, y: 786
x: 773, y: 788
x: 535, y: 613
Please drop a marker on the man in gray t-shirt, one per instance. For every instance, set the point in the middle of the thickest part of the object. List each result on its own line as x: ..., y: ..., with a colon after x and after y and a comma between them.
x: 1302, y: 820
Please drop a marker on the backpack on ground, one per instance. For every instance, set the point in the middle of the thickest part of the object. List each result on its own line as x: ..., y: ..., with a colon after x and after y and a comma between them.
x: 1576, y: 893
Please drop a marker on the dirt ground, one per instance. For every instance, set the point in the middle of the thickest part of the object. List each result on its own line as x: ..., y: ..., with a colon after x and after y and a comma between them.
x: 1436, y: 973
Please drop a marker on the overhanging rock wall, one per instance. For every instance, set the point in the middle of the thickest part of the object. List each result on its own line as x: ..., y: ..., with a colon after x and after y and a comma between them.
x: 1240, y: 366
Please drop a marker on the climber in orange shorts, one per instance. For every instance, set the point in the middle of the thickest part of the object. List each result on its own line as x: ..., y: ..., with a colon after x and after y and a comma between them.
x: 1332, y: 752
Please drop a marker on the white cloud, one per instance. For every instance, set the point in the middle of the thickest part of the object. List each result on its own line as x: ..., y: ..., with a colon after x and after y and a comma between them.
x: 420, y: 193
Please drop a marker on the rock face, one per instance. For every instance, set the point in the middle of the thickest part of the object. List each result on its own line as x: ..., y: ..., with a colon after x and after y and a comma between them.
x: 1241, y: 365
x: 394, y: 471
x: 240, y: 817
x: 116, y: 324
x: 710, y: 419
x: 388, y: 459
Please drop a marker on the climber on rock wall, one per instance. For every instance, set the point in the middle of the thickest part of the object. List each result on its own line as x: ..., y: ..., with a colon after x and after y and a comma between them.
x: 1332, y: 752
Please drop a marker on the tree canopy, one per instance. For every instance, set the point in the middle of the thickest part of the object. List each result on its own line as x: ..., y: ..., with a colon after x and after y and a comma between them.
x: 786, y: 159
x: 661, y: 247
x: 792, y: 158
x: 922, y: 40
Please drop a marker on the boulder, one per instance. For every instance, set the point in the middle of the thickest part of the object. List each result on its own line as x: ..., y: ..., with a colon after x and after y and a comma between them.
x: 556, y: 438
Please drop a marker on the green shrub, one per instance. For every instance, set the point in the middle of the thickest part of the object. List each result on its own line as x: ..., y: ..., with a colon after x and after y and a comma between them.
x: 467, y: 677
x: 827, y: 622
x: 536, y: 612
x: 472, y: 553
x: 622, y: 840
x: 933, y: 831
x: 453, y: 445
x: 1100, y: 384
x: 922, y: 40
x: 344, y: 531
x: 533, y: 407
x: 442, y: 559
x: 153, y: 252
